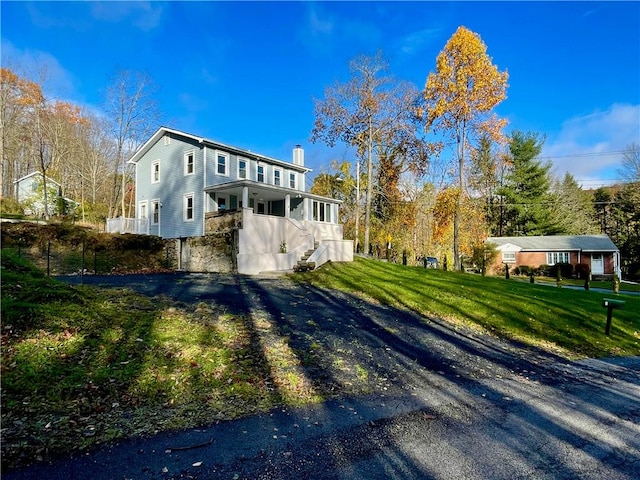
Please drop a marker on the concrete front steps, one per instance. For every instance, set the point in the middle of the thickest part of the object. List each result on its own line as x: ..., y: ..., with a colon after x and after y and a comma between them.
x: 303, y: 265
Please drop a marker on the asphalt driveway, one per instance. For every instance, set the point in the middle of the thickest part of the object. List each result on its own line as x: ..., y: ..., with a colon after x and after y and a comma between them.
x: 444, y: 403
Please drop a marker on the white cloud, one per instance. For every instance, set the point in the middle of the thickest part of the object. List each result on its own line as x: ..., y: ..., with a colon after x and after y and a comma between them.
x: 326, y: 31
x: 415, y: 42
x: 590, y: 147
x: 318, y: 26
x: 144, y: 15
x: 40, y: 67
x: 49, y: 15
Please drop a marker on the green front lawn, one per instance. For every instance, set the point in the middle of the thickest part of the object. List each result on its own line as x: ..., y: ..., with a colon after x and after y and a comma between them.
x: 83, y: 365
x: 568, y: 321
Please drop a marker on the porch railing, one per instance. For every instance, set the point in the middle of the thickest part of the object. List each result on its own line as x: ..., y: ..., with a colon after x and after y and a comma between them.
x: 138, y: 226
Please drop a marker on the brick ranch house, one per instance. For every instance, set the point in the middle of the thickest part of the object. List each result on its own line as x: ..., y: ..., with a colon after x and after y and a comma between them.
x: 597, y: 251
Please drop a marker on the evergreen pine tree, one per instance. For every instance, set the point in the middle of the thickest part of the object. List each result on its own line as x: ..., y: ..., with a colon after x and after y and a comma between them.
x: 525, y: 198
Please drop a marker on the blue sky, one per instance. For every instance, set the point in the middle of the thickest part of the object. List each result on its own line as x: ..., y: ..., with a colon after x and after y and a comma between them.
x: 247, y: 73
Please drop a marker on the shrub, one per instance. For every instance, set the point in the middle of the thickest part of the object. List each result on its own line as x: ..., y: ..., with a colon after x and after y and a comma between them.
x: 583, y: 270
x: 544, y: 270
x: 564, y: 270
x: 11, y: 208
x: 524, y: 270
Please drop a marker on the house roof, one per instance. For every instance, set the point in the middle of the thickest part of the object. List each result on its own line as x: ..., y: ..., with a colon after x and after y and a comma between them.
x: 584, y: 243
x: 212, y: 143
x: 49, y: 179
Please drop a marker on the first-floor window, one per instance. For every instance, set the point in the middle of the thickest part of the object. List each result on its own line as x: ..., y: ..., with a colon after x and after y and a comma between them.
x: 321, y: 212
x: 188, y: 207
x: 143, y: 210
x: 155, y: 212
x: 222, y: 203
x: 557, y: 257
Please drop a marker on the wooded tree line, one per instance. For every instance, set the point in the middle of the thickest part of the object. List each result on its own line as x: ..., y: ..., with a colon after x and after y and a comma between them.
x: 421, y: 200
x: 84, y: 151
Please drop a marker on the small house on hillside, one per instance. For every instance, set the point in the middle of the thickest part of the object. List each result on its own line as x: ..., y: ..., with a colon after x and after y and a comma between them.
x: 597, y: 251
x: 194, y: 190
x: 30, y: 193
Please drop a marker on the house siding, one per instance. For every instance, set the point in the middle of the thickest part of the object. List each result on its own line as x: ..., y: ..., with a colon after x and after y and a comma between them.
x: 173, y: 185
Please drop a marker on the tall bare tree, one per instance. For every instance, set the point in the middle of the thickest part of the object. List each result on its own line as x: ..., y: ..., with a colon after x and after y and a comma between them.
x: 373, y: 113
x: 133, y: 115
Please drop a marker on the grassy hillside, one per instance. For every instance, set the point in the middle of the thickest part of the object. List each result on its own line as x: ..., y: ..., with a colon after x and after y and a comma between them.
x: 82, y: 365
x: 568, y: 321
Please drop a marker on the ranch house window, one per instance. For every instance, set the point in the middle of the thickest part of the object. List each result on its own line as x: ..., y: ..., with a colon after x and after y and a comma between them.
x: 557, y: 257
x: 509, y: 257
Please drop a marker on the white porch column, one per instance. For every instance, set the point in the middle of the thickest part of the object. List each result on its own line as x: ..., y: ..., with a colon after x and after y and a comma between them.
x: 307, y: 209
x: 287, y: 205
x: 245, y: 197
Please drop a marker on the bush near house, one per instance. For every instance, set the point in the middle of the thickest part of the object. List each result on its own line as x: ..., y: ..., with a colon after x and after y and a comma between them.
x: 564, y: 269
x: 523, y: 270
x: 70, y: 246
x: 582, y: 270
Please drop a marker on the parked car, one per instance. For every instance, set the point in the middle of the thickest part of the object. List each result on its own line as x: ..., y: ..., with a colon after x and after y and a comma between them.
x: 430, y: 262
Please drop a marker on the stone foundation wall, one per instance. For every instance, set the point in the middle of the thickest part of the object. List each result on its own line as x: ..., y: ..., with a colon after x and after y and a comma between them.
x: 213, y: 253
x: 222, y: 222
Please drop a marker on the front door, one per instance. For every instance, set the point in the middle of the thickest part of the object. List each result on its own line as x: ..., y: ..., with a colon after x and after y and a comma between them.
x: 597, y: 265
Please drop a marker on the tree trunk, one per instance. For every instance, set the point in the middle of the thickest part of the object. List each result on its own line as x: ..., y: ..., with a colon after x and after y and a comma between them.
x: 367, y: 208
x: 457, y: 264
x: 357, y: 240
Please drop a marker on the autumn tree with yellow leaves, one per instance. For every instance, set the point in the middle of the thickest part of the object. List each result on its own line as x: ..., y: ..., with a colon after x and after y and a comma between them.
x: 458, y: 99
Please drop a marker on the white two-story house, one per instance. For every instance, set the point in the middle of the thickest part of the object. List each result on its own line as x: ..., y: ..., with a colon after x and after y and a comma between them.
x: 188, y: 186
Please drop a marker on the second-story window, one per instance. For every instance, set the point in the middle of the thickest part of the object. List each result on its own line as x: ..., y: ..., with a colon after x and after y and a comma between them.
x: 277, y: 177
x: 242, y: 168
x: 189, y: 163
x: 261, y: 173
x: 222, y: 164
x: 292, y: 180
x: 155, y: 172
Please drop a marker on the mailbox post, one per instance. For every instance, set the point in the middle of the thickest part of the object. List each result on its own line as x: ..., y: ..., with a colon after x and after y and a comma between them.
x: 611, y: 305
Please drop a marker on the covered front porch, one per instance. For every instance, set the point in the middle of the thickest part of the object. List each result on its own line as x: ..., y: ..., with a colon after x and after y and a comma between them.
x: 271, y: 200
x: 276, y: 228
